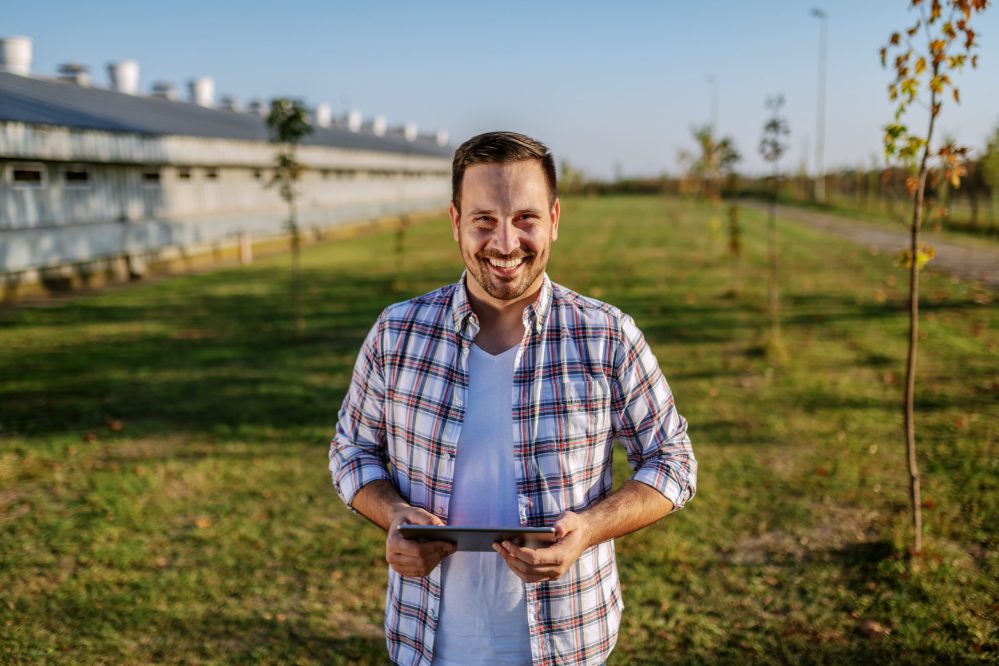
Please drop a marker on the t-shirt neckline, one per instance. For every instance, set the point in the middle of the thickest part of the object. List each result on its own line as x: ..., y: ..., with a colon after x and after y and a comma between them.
x: 494, y: 357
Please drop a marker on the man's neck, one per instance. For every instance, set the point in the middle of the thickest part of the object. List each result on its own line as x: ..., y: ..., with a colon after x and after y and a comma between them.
x: 501, y: 324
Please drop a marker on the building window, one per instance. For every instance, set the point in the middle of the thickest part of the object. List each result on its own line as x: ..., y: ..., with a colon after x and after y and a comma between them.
x: 151, y: 177
x: 76, y: 176
x: 211, y: 173
x: 28, y: 176
x: 183, y: 173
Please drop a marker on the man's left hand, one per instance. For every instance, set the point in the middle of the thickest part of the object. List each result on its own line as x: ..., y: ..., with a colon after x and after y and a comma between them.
x: 534, y: 565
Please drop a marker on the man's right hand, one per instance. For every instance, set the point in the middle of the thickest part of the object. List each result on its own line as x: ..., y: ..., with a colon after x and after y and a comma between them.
x: 407, y: 556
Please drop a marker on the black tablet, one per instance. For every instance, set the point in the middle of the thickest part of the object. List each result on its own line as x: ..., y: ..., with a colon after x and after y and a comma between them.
x: 480, y: 539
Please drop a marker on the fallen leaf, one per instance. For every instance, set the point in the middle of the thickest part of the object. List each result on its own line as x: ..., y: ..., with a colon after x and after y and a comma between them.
x: 873, y: 628
x: 201, y: 522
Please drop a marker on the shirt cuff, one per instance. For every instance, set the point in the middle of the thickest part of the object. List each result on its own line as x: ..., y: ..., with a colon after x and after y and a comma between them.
x: 348, y: 479
x: 658, y: 478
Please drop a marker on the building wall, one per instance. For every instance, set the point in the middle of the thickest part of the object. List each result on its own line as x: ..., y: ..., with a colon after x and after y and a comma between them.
x: 123, y: 209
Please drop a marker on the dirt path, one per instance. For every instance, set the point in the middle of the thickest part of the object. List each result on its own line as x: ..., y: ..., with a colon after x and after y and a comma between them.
x: 976, y: 264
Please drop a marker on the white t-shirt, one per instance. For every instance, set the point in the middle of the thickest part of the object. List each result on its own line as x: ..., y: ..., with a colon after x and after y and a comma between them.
x: 483, y: 614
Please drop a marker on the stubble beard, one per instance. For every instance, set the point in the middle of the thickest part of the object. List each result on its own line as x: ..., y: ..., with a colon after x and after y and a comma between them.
x: 498, y: 287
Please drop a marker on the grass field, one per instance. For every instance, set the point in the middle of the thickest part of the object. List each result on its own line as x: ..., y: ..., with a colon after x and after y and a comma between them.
x: 164, y: 495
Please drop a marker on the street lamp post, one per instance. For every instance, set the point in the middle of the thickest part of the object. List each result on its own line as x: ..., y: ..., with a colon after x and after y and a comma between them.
x: 820, y: 134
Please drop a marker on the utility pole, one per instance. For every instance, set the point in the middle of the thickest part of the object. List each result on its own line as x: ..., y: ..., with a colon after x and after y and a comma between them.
x: 820, y: 132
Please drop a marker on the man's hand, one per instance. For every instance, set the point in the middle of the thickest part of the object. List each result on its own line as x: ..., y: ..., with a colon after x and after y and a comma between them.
x: 410, y: 557
x: 534, y: 565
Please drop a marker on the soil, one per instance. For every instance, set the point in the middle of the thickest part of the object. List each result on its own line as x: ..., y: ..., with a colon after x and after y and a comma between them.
x: 975, y: 264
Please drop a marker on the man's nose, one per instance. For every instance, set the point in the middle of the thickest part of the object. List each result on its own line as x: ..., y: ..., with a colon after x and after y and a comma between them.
x: 506, y: 240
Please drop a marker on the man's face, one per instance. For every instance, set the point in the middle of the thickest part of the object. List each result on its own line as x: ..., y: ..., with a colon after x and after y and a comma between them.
x: 505, y: 229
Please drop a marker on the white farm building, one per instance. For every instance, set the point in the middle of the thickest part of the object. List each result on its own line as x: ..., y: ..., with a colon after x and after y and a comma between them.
x: 91, y: 174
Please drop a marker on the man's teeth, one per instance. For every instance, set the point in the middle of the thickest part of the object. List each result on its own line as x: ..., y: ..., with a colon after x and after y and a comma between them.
x: 499, y: 263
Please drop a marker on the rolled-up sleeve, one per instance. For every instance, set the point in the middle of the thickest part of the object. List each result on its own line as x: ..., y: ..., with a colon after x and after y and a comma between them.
x: 358, y: 451
x: 646, y: 421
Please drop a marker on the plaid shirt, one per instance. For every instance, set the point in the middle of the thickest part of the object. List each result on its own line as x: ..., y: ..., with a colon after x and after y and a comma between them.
x: 583, y: 378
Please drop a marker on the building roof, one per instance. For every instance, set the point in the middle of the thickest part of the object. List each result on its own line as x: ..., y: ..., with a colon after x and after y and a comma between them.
x: 43, y: 101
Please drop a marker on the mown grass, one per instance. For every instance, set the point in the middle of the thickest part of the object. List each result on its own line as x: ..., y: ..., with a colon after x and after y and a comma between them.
x: 164, y: 494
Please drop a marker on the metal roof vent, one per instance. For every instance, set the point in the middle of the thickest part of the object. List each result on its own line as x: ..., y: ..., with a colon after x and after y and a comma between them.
x: 15, y: 55
x: 124, y: 76
x: 202, y: 91
x: 409, y: 131
x: 442, y: 137
x: 379, y: 125
x: 354, y: 120
x: 230, y: 103
x: 323, y: 114
x: 165, y: 90
x: 74, y: 72
x: 257, y: 107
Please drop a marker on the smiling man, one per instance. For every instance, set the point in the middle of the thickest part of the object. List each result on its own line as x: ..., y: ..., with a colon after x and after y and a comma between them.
x: 495, y: 402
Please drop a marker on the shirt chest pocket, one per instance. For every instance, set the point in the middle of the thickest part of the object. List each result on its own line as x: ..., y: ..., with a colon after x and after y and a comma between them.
x: 574, y: 413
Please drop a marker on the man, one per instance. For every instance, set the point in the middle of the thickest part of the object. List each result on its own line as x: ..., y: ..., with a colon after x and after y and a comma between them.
x: 495, y: 401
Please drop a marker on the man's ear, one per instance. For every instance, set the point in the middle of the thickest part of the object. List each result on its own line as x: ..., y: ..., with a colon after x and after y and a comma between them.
x: 455, y: 216
x: 556, y: 211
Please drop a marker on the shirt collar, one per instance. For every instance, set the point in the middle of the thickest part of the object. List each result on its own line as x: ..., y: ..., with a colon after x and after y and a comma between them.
x: 535, y: 315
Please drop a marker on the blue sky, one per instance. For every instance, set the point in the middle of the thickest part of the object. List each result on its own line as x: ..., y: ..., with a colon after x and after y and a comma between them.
x: 602, y: 83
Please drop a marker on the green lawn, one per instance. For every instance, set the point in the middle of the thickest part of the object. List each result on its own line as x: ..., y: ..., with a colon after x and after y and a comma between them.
x: 164, y: 495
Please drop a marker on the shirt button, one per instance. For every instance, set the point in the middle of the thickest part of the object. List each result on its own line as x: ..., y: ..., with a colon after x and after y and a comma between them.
x: 458, y: 402
x: 464, y: 351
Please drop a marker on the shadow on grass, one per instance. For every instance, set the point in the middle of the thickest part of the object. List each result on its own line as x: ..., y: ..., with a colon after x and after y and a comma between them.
x: 210, y: 354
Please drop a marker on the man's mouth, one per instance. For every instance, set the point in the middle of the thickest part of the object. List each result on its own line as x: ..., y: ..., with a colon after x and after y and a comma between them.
x: 505, y: 263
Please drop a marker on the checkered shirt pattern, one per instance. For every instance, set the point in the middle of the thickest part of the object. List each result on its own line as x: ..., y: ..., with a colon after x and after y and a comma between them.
x: 584, y: 377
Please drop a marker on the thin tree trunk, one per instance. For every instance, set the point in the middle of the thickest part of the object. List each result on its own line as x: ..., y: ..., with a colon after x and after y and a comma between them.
x: 296, y: 270
x: 772, y: 299
x: 735, y: 247
x: 910, y: 369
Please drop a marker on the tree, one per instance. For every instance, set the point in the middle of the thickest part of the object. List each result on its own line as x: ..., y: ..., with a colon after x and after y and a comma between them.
x: 715, y: 159
x: 288, y: 123
x: 570, y: 179
x: 925, y: 56
x: 773, y: 145
x: 990, y: 169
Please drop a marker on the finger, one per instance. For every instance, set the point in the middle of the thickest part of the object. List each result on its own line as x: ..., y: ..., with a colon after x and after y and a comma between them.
x: 421, y: 517
x: 411, y: 562
x: 413, y: 565
x: 566, y: 523
x: 533, y: 556
x: 413, y: 547
x: 528, y: 572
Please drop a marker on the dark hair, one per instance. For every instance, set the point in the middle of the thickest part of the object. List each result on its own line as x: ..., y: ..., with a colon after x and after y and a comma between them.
x: 500, y: 148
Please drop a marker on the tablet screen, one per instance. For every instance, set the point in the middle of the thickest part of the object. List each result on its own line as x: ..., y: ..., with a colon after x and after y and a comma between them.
x: 480, y: 539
